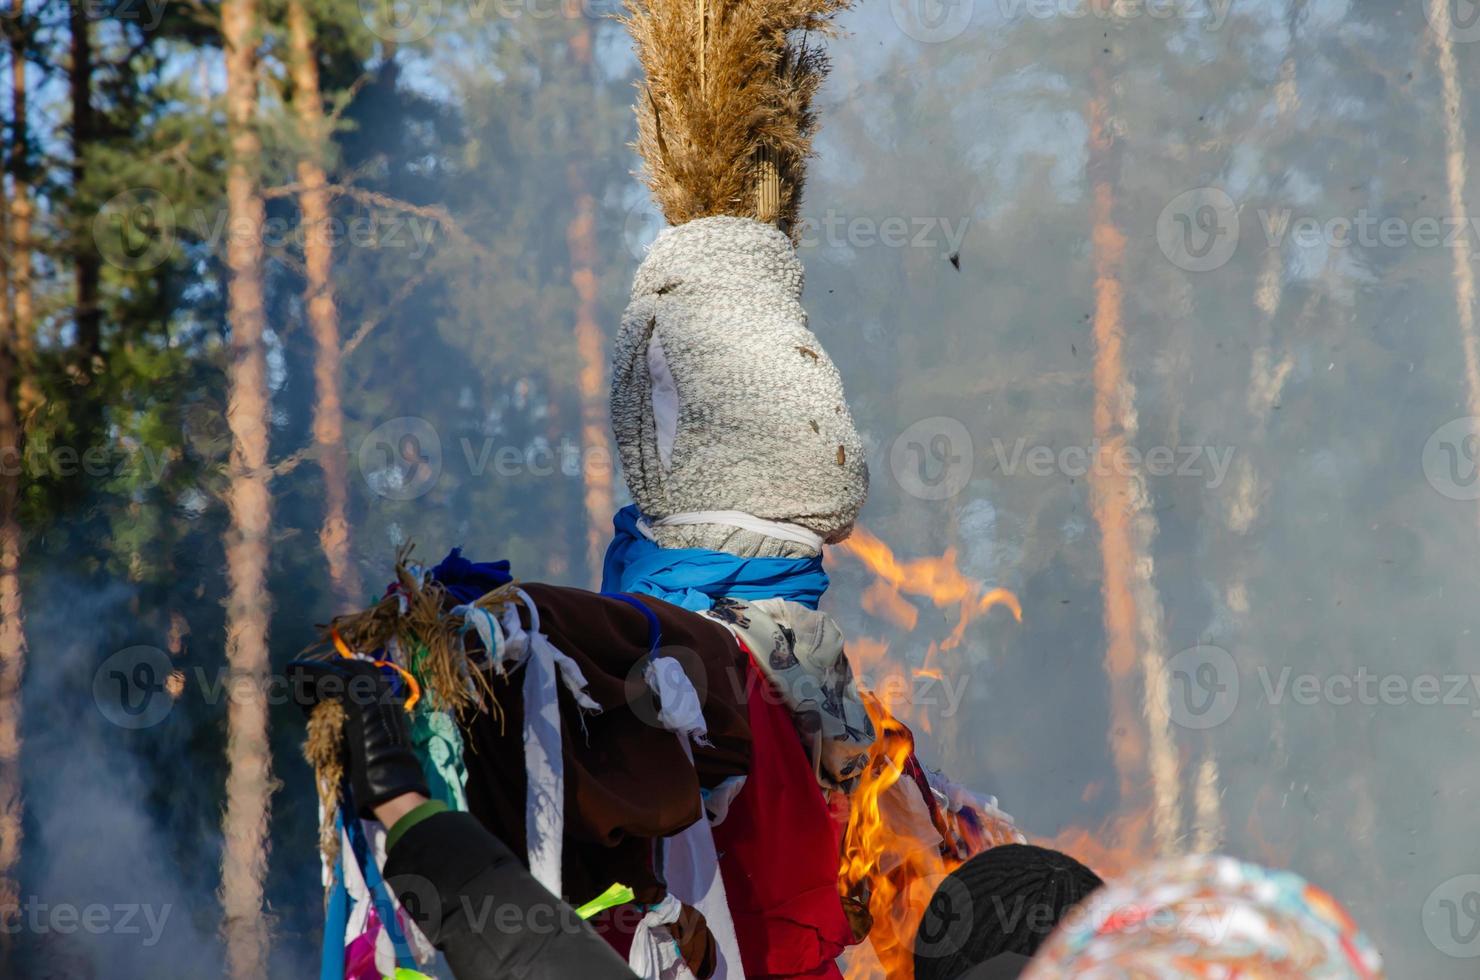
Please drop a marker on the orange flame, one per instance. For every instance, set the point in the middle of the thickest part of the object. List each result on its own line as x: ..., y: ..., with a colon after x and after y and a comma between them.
x: 1115, y: 847
x: 937, y: 579
x: 880, y: 864
x: 894, y: 857
x: 892, y: 861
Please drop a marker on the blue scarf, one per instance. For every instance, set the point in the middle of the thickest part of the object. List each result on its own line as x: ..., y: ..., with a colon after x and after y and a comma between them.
x: 694, y: 577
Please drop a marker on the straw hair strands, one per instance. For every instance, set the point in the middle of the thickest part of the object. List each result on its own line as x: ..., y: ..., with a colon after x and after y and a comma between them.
x: 413, y: 631
x: 413, y: 625
x: 322, y: 750
x: 724, y: 110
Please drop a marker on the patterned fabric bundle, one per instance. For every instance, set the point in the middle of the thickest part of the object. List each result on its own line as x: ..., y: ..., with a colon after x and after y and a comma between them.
x: 724, y: 404
x: 800, y: 651
x: 1208, y: 917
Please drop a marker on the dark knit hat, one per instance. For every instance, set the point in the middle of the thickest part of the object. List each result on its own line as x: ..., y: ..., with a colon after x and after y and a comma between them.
x: 1005, y: 900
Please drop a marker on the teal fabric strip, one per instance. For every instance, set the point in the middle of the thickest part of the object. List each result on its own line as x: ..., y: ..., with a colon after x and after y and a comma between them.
x: 439, y: 746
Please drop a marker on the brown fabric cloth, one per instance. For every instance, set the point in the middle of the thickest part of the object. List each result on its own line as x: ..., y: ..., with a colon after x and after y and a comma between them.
x: 695, y: 942
x: 627, y: 780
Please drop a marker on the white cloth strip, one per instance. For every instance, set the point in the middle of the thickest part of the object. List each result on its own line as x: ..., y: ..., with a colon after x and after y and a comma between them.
x: 691, y: 865
x: 544, y: 759
x: 793, y: 533
x: 655, y: 954
x: 679, y: 709
x: 665, y: 402
x: 690, y: 862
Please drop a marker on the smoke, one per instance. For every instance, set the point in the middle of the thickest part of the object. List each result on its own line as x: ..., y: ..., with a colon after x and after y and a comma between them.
x: 119, y: 854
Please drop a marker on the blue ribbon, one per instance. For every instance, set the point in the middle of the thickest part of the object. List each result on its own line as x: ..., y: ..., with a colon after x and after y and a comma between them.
x: 336, y: 920
x: 694, y: 577
x: 655, y: 628
x: 380, y: 892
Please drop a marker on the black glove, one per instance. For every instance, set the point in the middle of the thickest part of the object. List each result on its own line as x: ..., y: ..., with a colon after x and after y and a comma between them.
x: 377, y: 738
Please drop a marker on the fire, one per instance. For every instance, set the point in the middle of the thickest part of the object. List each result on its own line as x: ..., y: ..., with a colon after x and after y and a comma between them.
x: 893, y: 856
x: 936, y: 579
x: 881, y: 867
x: 867, y: 653
x: 1115, y: 847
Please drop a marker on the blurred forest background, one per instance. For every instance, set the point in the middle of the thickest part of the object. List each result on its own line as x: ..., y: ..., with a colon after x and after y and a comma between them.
x: 289, y: 283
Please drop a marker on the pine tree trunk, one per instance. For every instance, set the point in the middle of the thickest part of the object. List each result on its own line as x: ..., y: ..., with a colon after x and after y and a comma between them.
x: 323, y: 313
x: 89, y: 315
x: 249, y: 777
x: 1268, y: 370
x: 15, y: 329
x: 21, y: 209
x: 1455, y: 168
x: 12, y: 629
x: 597, y: 459
x: 1126, y: 522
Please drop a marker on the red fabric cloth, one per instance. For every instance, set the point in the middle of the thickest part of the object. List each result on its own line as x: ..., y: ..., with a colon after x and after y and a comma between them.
x: 779, y: 854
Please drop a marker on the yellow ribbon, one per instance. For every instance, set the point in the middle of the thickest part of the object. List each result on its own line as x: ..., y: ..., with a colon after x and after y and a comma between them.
x: 617, y: 894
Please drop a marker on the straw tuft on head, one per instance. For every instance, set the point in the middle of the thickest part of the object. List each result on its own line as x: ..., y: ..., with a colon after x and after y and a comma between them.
x: 724, y: 110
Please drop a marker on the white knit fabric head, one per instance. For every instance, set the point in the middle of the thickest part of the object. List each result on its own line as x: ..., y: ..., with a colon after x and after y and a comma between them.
x: 762, y: 424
